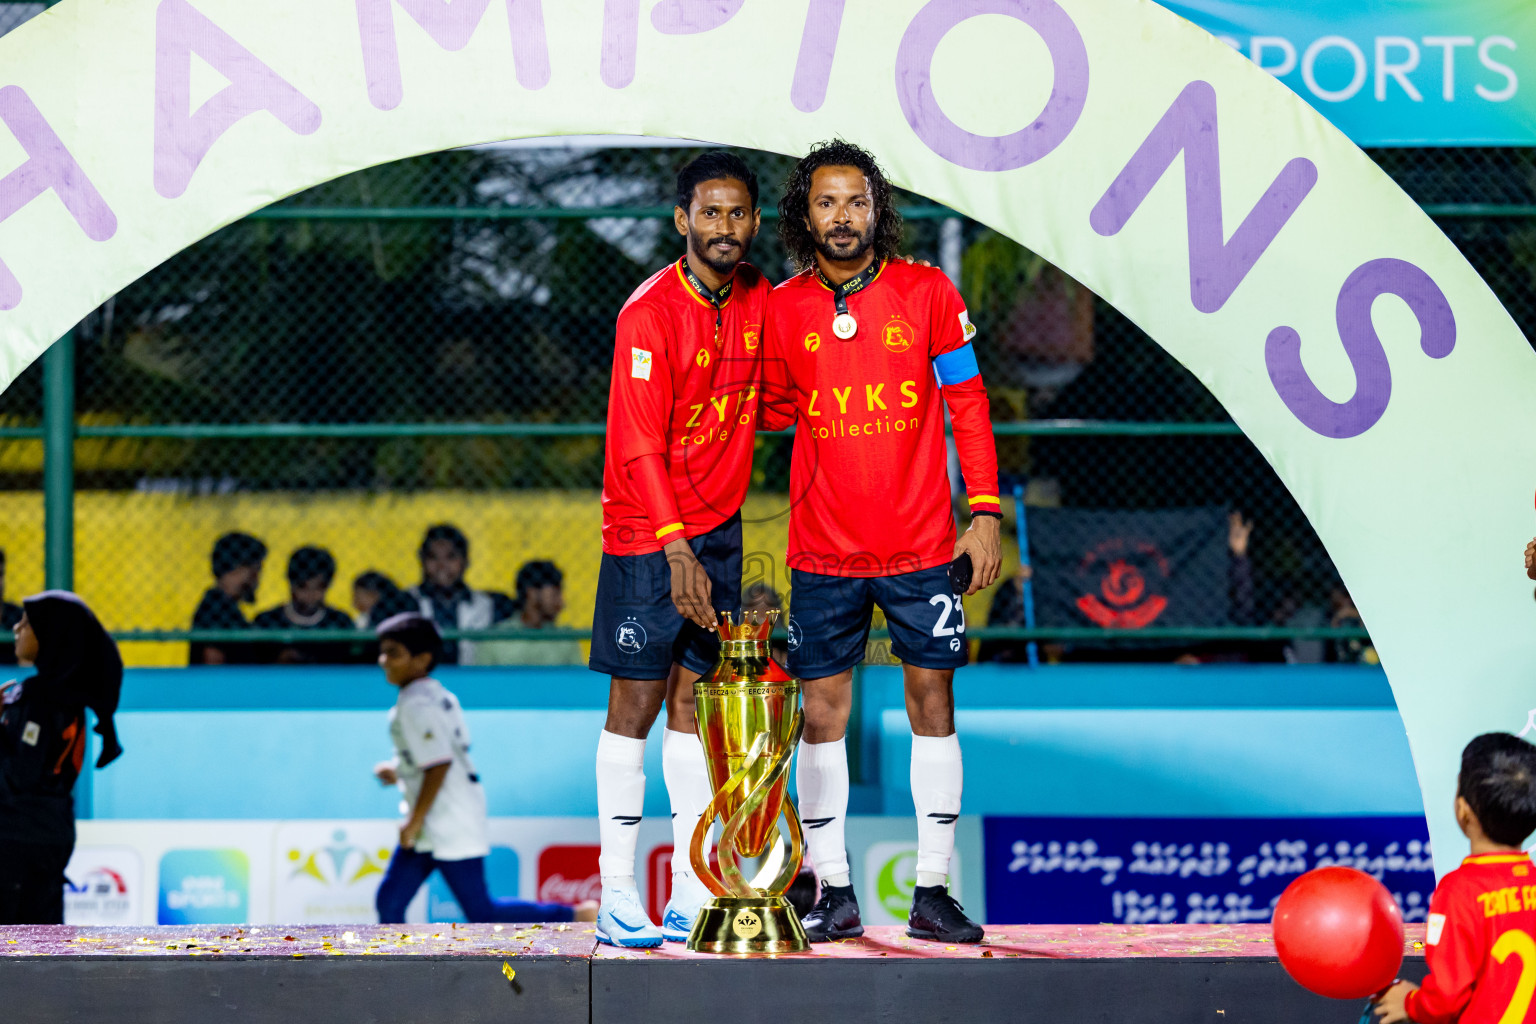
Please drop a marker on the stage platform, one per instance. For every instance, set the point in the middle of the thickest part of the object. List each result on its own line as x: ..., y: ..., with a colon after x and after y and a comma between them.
x: 559, y: 974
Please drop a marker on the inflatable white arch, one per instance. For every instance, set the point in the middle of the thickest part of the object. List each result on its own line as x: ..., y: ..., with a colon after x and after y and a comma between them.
x: 1245, y: 234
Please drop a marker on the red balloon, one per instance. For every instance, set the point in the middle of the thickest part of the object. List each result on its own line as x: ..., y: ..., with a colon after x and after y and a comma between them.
x: 1339, y: 933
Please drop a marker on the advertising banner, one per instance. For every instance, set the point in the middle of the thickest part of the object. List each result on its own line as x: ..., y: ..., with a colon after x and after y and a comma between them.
x: 1130, y: 569
x: 104, y: 885
x: 327, y: 872
x: 1189, y: 870
x: 170, y: 872
x: 204, y: 887
x: 1394, y: 72
x: 1038, y: 870
x: 883, y: 854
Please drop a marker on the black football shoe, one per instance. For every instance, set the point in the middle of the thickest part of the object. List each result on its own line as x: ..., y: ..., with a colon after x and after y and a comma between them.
x: 835, y: 915
x: 936, y: 916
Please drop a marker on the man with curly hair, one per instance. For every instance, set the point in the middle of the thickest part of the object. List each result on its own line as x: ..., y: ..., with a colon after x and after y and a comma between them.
x: 863, y: 352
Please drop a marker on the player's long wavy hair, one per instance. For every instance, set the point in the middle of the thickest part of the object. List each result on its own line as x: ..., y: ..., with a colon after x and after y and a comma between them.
x: 794, y: 207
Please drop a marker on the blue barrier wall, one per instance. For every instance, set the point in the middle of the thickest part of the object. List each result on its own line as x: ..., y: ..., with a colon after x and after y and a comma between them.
x: 1093, y: 741
x: 1160, y: 740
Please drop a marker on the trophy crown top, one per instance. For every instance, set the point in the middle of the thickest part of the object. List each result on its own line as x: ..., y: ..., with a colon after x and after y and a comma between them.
x: 753, y: 625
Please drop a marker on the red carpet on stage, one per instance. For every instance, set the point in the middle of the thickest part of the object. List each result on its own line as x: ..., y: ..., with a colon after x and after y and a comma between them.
x: 1058, y: 942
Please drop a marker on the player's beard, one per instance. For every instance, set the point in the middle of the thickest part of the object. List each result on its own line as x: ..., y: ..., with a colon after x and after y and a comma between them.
x: 862, y: 246
x: 721, y: 262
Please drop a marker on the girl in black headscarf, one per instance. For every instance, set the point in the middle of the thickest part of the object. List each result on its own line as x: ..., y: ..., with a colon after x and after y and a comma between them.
x: 42, y: 748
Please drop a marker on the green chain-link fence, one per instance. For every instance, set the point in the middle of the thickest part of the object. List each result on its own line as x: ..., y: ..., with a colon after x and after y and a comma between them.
x: 429, y: 341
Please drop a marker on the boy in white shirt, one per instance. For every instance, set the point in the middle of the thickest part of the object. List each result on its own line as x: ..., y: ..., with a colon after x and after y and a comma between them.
x: 445, y: 828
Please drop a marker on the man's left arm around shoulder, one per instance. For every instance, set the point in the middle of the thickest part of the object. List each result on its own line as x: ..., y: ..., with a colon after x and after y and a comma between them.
x: 971, y: 419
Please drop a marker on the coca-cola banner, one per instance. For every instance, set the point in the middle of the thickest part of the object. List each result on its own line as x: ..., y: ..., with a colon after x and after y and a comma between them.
x: 1133, y: 569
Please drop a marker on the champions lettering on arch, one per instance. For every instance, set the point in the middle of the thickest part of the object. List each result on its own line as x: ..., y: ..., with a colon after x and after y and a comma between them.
x: 1218, y: 263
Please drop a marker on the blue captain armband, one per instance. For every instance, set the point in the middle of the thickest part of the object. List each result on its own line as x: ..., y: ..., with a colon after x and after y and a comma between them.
x: 957, y: 366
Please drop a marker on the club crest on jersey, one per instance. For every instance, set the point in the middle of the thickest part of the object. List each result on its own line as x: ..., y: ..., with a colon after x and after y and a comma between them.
x: 639, y: 364
x: 703, y: 357
x: 630, y: 637
x: 812, y: 342
x: 749, y: 337
x: 898, y: 335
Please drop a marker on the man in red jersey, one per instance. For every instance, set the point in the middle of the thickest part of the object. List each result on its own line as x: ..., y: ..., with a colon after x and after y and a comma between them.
x: 1480, y: 939
x: 863, y: 352
x: 682, y: 417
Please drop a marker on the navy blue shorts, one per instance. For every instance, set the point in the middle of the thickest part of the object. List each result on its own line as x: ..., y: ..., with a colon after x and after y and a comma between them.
x: 829, y: 619
x: 637, y: 632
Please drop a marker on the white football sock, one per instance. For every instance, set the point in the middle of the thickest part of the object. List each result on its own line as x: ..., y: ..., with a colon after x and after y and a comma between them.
x: 937, y: 779
x: 620, y: 803
x: 821, y: 776
x: 687, y: 777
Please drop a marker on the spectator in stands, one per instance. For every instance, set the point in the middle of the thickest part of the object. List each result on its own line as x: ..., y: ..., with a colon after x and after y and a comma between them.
x: 1339, y: 612
x: 444, y: 597
x: 310, y: 573
x: 540, y: 600
x: 540, y: 594
x: 1007, y: 610
x: 237, y: 561
x: 376, y: 597
x: 1241, y: 608
x: 1293, y: 612
x: 761, y: 599
x: 1344, y: 615
x: 10, y: 614
x: 1240, y: 605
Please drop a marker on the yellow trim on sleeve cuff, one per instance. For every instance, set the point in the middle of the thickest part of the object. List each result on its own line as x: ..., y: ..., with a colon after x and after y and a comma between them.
x: 985, y: 499
x: 673, y: 528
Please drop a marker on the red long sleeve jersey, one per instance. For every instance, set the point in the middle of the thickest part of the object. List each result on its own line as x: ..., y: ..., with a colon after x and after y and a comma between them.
x: 869, y: 489
x: 1480, y: 944
x: 686, y: 392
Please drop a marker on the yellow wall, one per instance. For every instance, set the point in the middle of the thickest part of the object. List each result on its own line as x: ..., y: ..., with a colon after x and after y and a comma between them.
x: 142, y: 559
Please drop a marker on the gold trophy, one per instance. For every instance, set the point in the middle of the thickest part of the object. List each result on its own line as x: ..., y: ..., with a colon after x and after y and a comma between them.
x: 749, y: 721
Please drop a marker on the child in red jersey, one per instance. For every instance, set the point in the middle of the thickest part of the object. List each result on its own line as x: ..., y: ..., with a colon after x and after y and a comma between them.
x: 1481, y: 937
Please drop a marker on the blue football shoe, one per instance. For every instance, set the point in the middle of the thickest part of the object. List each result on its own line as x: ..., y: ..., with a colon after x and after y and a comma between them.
x: 688, y: 898
x: 622, y: 921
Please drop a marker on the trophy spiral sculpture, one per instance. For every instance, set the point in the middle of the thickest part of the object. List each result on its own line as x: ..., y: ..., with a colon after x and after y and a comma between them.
x: 749, y: 721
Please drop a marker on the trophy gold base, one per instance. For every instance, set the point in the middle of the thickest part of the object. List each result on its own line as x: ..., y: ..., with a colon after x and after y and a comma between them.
x: 759, y: 924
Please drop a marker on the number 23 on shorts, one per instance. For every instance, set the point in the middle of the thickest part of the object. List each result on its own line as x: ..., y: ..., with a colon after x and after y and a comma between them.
x: 948, y: 606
